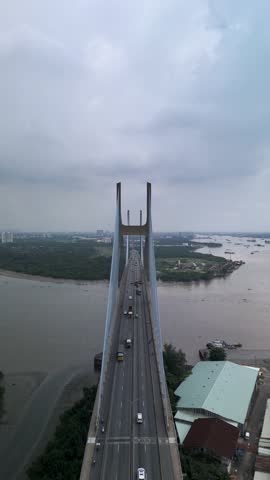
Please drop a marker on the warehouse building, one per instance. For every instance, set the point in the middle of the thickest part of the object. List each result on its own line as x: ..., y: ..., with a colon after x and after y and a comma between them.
x: 222, y: 390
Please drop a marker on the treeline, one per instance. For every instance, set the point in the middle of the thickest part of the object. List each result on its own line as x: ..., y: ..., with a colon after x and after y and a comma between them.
x: 74, y: 260
x: 87, y: 260
x: 2, y: 393
x: 176, y: 370
x: 206, y: 244
x: 183, y: 276
x: 63, y: 456
x: 185, y: 252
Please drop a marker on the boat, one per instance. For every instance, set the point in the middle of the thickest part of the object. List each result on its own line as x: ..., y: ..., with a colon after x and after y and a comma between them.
x: 220, y: 344
x: 215, y: 344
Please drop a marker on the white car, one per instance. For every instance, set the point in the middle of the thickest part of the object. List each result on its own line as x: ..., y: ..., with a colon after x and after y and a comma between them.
x: 130, y: 297
x: 141, y: 475
x: 139, y: 418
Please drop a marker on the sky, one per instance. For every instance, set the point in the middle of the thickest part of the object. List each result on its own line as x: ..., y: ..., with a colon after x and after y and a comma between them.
x: 94, y: 92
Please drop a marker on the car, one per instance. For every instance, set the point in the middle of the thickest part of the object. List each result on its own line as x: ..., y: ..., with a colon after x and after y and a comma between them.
x: 247, y: 435
x: 141, y: 475
x: 125, y: 312
x: 139, y: 418
x: 130, y: 297
x: 136, y: 315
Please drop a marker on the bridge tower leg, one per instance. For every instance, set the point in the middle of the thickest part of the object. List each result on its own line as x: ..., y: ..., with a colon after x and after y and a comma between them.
x: 127, y: 238
x: 141, y: 239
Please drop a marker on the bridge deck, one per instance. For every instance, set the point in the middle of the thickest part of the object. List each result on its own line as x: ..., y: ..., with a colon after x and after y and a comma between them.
x: 132, y: 386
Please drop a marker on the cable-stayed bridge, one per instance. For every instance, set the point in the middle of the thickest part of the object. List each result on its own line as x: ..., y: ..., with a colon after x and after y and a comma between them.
x: 121, y: 444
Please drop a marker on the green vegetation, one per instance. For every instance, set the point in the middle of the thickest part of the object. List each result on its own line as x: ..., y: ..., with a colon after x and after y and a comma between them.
x: 80, y: 260
x: 185, y: 264
x: 175, y: 369
x: 217, y: 354
x: 61, y: 257
x: 202, y: 467
x: 2, y: 393
x: 62, y: 458
x: 206, y: 244
x: 185, y: 252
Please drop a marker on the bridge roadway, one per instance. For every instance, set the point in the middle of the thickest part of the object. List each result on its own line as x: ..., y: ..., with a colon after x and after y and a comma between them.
x: 132, y: 386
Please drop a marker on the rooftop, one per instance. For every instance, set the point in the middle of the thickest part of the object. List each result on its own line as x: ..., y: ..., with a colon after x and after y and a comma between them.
x: 223, y: 388
x: 214, y: 435
x: 266, y: 422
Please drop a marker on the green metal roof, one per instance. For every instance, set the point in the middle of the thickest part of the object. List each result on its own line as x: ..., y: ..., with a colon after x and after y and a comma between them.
x: 223, y: 388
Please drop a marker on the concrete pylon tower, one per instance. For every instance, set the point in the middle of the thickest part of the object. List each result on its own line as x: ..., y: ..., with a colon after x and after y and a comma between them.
x: 127, y: 238
x: 141, y: 230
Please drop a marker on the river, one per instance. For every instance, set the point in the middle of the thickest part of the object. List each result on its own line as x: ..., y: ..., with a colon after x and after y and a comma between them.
x: 49, y: 325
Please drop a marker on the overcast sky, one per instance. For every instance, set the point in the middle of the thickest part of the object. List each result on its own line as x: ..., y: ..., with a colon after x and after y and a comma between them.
x: 174, y: 92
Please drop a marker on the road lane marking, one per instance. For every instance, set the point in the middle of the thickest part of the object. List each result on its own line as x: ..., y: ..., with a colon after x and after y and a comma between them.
x: 121, y: 404
x: 145, y: 448
x: 122, y: 387
x: 143, y: 403
x: 118, y: 448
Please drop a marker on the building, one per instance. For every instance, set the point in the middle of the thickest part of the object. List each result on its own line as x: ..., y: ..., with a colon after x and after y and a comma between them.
x: 222, y: 390
x: 213, y: 436
x: 262, y: 465
x: 7, y: 237
x: 264, y: 441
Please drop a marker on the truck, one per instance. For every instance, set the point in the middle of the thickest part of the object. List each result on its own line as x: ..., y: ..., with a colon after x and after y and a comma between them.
x: 130, y: 310
x: 120, y: 353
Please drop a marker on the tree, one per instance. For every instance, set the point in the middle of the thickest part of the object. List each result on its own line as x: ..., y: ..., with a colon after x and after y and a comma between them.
x: 174, y: 360
x: 217, y: 354
x: 202, y: 467
x: 175, y: 370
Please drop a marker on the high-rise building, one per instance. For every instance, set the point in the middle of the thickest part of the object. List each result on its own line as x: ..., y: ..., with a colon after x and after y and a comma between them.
x: 7, y: 237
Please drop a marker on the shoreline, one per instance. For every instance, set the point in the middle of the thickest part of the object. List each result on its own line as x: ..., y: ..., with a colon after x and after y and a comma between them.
x: 40, y: 278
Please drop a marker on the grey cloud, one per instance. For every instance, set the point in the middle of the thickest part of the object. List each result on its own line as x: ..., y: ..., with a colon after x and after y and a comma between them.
x: 175, y: 92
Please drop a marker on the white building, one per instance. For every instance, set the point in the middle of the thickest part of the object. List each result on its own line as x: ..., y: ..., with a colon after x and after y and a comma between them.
x: 7, y: 237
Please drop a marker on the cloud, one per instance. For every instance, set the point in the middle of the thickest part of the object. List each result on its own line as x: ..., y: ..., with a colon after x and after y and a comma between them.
x: 173, y: 92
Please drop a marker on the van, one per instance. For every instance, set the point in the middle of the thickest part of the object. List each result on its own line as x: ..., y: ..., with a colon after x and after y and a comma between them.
x: 141, y: 475
x: 139, y: 418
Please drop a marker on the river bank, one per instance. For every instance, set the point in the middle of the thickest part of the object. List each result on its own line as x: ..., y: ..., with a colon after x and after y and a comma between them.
x: 33, y: 412
x: 40, y: 278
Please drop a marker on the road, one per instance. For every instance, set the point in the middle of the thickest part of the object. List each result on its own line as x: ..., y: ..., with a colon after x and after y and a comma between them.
x: 132, y: 386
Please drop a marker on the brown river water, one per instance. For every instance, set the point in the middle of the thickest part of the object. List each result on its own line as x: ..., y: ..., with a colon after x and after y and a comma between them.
x: 49, y: 325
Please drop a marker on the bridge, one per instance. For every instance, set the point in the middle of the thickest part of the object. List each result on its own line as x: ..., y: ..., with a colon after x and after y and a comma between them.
x: 121, y: 444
